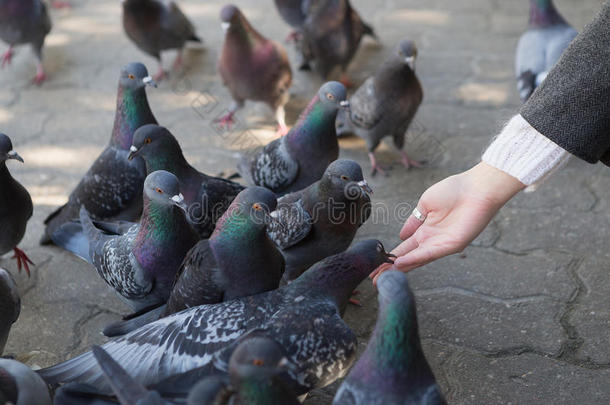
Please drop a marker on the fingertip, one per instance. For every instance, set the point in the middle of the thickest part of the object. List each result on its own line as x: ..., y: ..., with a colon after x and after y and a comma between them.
x: 410, y: 226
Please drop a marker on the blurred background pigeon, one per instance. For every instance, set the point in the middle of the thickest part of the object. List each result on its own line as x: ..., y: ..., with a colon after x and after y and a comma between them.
x: 253, y: 68
x: 386, y: 104
x: 15, y: 207
x: 10, y: 306
x: 540, y: 47
x: 299, y: 159
x: 24, y: 22
x: 158, y: 25
x: 393, y: 369
x: 112, y: 188
x: 294, y: 13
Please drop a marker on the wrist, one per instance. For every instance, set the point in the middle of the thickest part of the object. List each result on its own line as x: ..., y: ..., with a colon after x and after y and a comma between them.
x: 498, y: 186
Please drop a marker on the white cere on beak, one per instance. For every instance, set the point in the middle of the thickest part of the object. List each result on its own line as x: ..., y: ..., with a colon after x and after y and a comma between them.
x: 344, y: 103
x: 410, y: 60
x: 225, y: 26
x: 133, y: 149
x: 178, y: 199
x: 147, y: 79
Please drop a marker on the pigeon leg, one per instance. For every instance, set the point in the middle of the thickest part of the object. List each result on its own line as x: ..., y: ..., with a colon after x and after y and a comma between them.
x: 354, y: 301
x: 408, y: 162
x: 160, y: 75
x: 8, y: 56
x: 280, y: 116
x: 61, y: 4
x: 228, y: 120
x: 346, y: 81
x: 376, y: 168
x: 22, y: 260
x: 178, y: 61
x: 40, y: 74
x: 293, y: 37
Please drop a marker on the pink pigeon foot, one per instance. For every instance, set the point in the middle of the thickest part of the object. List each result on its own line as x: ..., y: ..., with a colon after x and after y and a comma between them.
x: 226, y: 121
x: 293, y: 37
x: 281, y: 130
x: 346, y: 81
x: 40, y: 76
x: 22, y: 260
x: 61, y: 4
x: 7, y: 57
x: 408, y: 163
x: 375, y: 167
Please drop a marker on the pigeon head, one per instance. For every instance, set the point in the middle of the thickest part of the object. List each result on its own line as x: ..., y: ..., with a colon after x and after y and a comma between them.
x: 407, y: 51
x: 135, y: 76
x: 333, y: 95
x: 157, y: 146
x: 257, y: 357
x: 6, y: 149
x: 254, y: 204
x: 344, y: 179
x: 163, y: 188
x: 393, y: 286
x: 230, y: 17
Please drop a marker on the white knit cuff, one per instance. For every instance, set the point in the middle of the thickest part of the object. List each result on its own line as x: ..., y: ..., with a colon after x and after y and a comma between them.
x: 525, y: 153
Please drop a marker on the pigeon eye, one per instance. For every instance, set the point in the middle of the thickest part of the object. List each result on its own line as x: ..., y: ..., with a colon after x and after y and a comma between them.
x: 131, y: 76
x: 257, y: 207
x: 158, y: 190
x: 147, y: 140
x: 344, y: 178
x: 330, y: 96
x: 258, y: 362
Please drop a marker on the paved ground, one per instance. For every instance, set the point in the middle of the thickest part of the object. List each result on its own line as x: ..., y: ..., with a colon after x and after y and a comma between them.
x: 521, y: 317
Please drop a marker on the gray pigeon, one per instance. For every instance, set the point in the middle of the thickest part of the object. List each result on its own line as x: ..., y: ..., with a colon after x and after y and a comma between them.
x: 237, y: 261
x: 331, y: 35
x: 206, y: 197
x: 10, y: 305
x: 157, y: 25
x: 540, y: 47
x: 19, y: 385
x: 255, y: 377
x: 321, y: 220
x: 15, y: 207
x: 112, y: 188
x: 24, y: 22
x: 300, y: 158
x: 303, y: 317
x: 138, y: 260
x: 294, y: 12
x: 385, y: 104
x: 252, y: 67
x: 392, y: 370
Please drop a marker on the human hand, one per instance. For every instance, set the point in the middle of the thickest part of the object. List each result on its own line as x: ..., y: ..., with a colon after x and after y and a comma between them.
x: 456, y: 211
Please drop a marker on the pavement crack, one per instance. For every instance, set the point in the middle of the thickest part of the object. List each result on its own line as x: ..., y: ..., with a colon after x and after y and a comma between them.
x: 484, y: 297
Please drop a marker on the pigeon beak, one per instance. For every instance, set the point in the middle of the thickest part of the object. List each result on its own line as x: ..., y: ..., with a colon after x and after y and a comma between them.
x: 14, y: 155
x: 410, y: 60
x: 344, y: 104
x: 133, y: 151
x: 149, y: 81
x: 178, y: 201
x: 365, y: 187
x: 390, y: 258
x: 225, y: 26
x: 285, y: 365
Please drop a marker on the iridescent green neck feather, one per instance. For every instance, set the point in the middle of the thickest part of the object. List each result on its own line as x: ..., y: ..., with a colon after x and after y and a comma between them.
x: 132, y: 111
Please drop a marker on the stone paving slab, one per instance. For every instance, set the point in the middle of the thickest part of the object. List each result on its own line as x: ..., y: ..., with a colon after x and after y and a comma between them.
x: 521, y: 317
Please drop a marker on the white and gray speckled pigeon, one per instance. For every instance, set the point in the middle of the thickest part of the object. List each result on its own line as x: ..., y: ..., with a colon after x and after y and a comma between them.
x: 24, y: 22
x: 303, y: 317
x: 15, y: 207
x: 20, y: 385
x: 138, y: 260
x: 386, y: 104
x: 157, y: 25
x: 540, y: 47
x: 238, y: 260
x: 300, y: 158
x: 393, y: 369
x: 206, y: 197
x: 253, y: 67
x: 322, y: 219
x: 10, y: 306
x: 111, y: 190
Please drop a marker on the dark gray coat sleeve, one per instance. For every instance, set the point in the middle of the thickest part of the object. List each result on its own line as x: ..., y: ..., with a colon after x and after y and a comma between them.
x: 572, y: 106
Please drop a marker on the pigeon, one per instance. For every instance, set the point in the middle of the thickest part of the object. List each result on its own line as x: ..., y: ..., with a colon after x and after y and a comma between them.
x: 303, y: 317
x: 294, y: 13
x: 19, y: 385
x: 10, y: 306
x: 392, y: 370
x: 540, y: 47
x: 112, y: 188
x: 15, y: 207
x: 321, y: 220
x: 300, y: 158
x: 255, y: 369
x: 207, y: 197
x: 331, y: 35
x: 237, y: 261
x: 139, y: 260
x: 253, y: 68
x: 157, y: 25
x: 385, y: 104
x: 24, y: 22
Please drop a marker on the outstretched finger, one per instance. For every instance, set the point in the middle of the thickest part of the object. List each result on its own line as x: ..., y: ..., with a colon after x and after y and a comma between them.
x: 417, y: 257
x: 413, y: 223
